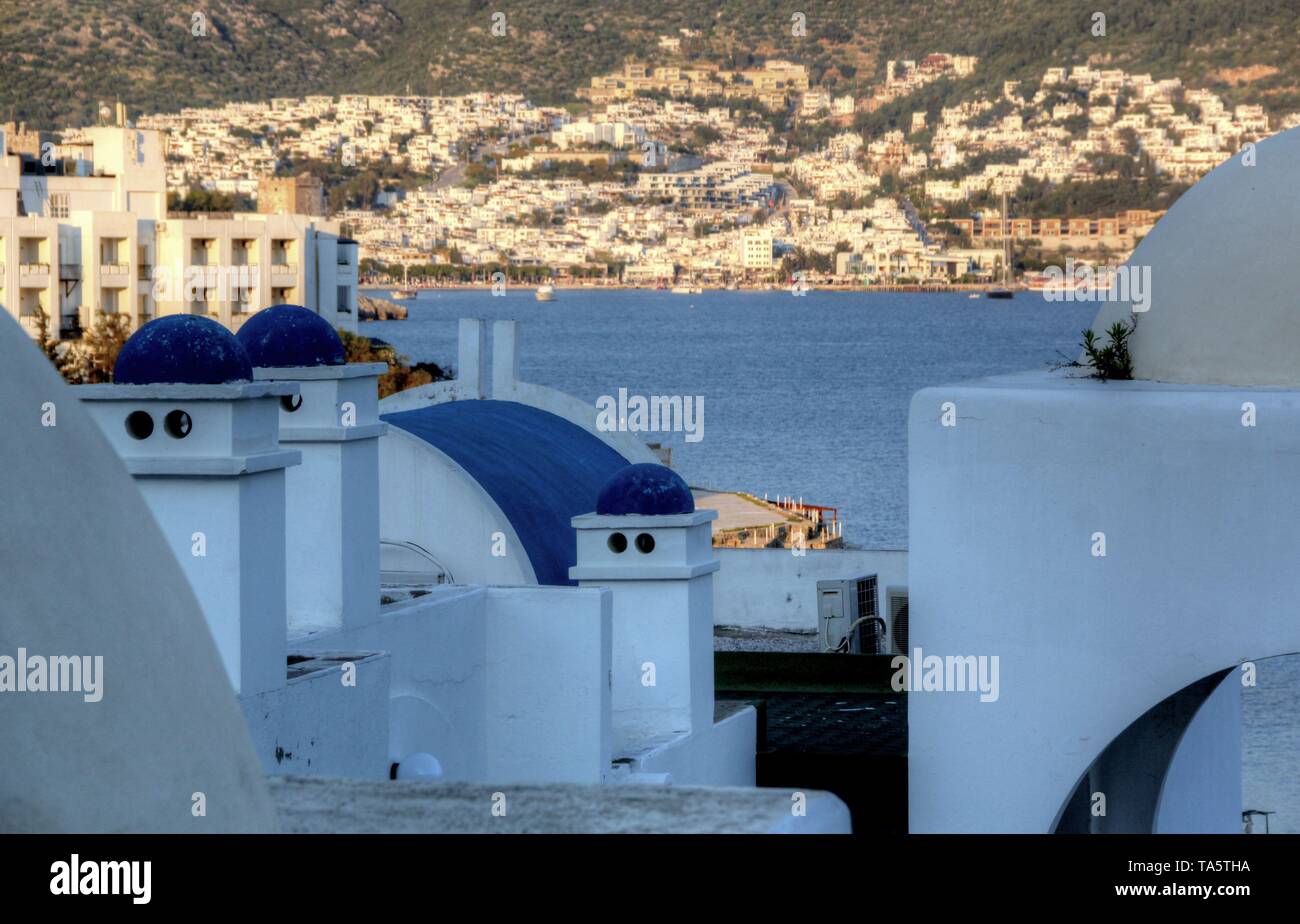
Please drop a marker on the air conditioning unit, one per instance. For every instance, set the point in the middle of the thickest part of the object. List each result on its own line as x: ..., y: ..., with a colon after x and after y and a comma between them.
x: 896, y: 614
x: 848, y: 616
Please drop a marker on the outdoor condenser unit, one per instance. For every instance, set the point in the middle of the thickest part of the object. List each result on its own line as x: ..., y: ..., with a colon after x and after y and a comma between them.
x: 896, y: 604
x: 848, y: 616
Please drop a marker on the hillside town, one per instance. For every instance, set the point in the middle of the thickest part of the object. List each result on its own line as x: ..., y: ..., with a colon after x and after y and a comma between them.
x: 665, y: 175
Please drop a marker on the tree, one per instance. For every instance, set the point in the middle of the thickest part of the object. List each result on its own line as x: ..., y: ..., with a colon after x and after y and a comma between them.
x: 48, y: 343
x: 90, y: 360
x: 401, y: 374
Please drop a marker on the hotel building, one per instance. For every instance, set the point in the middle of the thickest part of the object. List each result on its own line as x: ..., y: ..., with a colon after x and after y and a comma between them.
x: 84, y: 228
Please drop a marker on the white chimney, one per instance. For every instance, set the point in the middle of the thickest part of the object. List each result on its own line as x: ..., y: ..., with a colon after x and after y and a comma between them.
x: 202, y: 442
x: 332, y: 503
x: 648, y: 544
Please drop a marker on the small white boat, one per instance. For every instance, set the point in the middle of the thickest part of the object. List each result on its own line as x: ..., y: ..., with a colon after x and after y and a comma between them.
x: 973, y: 295
x: 681, y: 290
x: 545, y: 292
x: 405, y: 293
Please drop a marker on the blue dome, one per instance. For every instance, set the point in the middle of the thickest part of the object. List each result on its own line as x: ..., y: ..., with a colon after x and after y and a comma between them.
x: 291, y: 335
x: 183, y: 349
x: 645, y: 489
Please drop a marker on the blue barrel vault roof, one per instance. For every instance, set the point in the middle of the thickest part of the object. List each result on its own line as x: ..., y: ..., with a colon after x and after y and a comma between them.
x: 539, y: 468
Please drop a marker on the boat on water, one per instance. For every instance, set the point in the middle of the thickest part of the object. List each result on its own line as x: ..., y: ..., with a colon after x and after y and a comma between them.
x: 405, y: 293
x: 545, y: 292
x: 681, y: 290
x: 1004, y: 290
x: 973, y: 295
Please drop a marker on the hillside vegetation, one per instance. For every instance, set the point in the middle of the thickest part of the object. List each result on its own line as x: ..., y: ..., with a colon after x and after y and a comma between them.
x: 60, y: 58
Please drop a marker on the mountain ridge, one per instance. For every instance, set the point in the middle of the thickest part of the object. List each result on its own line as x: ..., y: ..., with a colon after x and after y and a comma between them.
x: 57, y: 66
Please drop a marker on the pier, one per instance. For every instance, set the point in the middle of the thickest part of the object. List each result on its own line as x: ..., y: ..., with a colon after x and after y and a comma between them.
x: 786, y: 522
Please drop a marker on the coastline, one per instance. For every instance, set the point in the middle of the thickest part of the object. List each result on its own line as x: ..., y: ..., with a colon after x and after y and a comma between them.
x: 812, y: 287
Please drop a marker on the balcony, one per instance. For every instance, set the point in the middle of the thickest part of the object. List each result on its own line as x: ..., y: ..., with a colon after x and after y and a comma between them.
x: 34, y: 275
x: 114, y: 274
x: 284, y: 269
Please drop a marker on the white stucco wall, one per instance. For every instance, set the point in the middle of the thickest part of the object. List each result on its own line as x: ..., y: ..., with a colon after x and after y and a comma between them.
x: 426, y: 498
x: 775, y: 589
x: 332, y: 498
x: 167, y: 725
x: 548, y: 689
x: 502, y: 684
x: 1199, y: 519
x: 323, y: 723
x: 240, y: 577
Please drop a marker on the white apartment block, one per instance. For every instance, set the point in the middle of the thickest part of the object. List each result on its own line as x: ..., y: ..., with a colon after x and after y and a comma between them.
x: 615, y: 134
x: 754, y: 249
x: 90, y: 232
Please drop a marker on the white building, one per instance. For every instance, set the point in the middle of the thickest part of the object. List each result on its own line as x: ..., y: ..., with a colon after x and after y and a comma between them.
x: 1129, y: 635
x: 432, y: 681
x: 754, y: 249
x: 87, y: 230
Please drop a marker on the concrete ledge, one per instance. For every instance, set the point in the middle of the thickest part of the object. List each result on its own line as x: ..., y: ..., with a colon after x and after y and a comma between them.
x: 224, y: 466
x: 621, y: 572
x: 636, y: 521
x: 229, y: 391
x: 318, y: 373
x: 331, y: 434
x: 319, y: 806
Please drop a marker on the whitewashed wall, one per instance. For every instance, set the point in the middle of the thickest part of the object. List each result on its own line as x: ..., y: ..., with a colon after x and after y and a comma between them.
x: 1199, y: 519
x: 775, y: 589
x: 426, y: 498
x: 502, y: 684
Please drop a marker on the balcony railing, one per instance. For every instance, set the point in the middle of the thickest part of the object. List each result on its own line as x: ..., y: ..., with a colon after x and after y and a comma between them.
x: 114, y: 269
x: 284, y: 269
x: 33, y: 269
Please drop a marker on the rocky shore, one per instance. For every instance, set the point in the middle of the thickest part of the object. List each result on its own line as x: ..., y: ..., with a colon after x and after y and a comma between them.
x: 370, y: 308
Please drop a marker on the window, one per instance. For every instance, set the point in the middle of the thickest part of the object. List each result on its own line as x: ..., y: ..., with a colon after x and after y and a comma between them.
x: 59, y: 205
x: 345, y: 299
